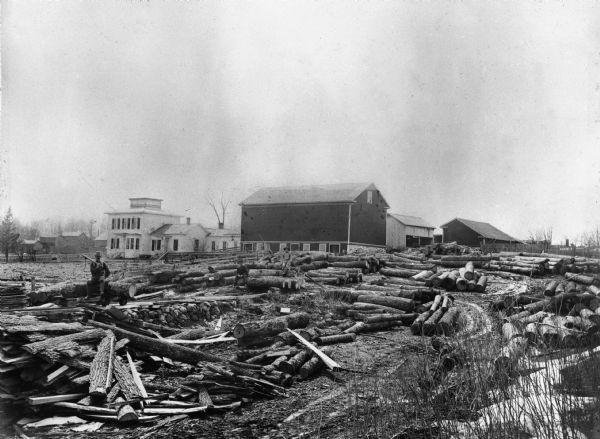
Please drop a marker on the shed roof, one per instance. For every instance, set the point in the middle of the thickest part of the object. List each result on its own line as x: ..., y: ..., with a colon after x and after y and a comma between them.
x: 325, y: 193
x: 408, y: 220
x: 222, y: 232
x: 485, y: 230
x: 72, y: 234
x: 177, y: 229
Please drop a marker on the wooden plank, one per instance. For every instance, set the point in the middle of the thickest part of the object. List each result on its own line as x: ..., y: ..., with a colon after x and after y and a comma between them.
x: 41, y: 400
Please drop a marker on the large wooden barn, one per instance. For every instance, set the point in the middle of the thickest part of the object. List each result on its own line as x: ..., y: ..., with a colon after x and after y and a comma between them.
x: 336, y: 218
x: 474, y: 233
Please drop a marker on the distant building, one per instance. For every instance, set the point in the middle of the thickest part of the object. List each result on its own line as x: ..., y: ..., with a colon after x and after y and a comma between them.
x: 72, y: 242
x: 186, y: 237
x: 222, y: 239
x: 333, y: 217
x: 129, y: 230
x: 100, y: 242
x: 474, y: 233
x: 48, y: 243
x: 32, y: 246
x: 407, y: 231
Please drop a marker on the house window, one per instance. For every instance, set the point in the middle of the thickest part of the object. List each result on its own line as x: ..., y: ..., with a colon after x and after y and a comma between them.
x: 213, y: 245
x: 118, y: 223
x: 322, y: 247
x: 156, y: 244
x: 138, y: 223
x: 117, y: 243
x: 137, y: 243
x: 196, y: 245
x: 113, y: 224
x: 175, y: 245
x: 305, y: 247
x: 153, y: 245
x: 224, y: 245
x: 112, y: 242
x: 129, y: 223
x: 370, y: 197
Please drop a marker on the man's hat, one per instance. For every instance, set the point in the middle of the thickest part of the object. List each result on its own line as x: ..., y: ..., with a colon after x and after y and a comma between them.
x: 98, y: 254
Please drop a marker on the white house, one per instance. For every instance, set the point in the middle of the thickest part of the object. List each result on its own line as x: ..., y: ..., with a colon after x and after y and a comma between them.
x: 222, y: 239
x: 407, y: 231
x: 180, y: 238
x: 129, y: 230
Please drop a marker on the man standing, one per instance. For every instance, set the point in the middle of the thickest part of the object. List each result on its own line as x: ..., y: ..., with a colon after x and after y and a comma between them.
x: 213, y: 278
x: 100, y: 272
x: 241, y: 273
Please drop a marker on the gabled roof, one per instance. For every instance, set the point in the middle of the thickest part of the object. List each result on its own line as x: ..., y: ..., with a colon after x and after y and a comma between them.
x: 222, y: 232
x: 485, y: 230
x: 72, y: 234
x: 325, y: 193
x: 139, y: 210
x: 408, y: 220
x: 177, y: 229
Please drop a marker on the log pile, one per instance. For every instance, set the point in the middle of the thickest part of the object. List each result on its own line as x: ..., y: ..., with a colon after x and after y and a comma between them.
x: 178, y: 315
x: 12, y: 295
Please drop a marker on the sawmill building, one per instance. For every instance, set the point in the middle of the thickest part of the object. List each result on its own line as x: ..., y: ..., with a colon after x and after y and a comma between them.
x: 474, y: 233
x: 334, y: 218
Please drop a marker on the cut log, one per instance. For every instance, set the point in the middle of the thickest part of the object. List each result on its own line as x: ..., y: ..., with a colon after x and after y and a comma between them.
x: 462, y: 284
x: 430, y: 324
x: 548, y: 331
x: 550, y: 289
x: 102, y: 366
x: 404, y: 319
x: 335, y: 339
x: 398, y: 272
x: 125, y: 380
x: 52, y: 349
x: 417, y: 326
x: 126, y: 413
x: 446, y: 325
x: 509, y: 354
x: 159, y: 347
x: 510, y: 331
x: 392, y: 302
x: 328, y: 361
x: 422, y: 275
x: 469, y: 271
x: 363, y: 306
x: 272, y: 326
x: 447, y: 302
x: 582, y: 279
x: 437, y: 301
x: 313, y: 365
x: 294, y: 363
x: 593, y: 289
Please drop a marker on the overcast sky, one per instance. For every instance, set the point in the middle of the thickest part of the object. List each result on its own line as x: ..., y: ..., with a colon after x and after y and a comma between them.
x: 483, y: 110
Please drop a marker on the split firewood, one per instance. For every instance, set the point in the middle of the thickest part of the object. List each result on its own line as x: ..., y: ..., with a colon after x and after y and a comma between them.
x: 126, y: 413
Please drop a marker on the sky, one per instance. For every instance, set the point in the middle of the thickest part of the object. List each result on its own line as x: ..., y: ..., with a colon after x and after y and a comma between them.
x: 485, y: 110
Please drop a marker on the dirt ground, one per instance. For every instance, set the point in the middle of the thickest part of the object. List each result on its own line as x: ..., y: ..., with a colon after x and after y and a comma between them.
x: 318, y: 407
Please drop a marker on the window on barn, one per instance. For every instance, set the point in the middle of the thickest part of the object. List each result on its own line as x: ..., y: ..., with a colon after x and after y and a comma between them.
x: 370, y: 197
x: 322, y: 247
x: 282, y: 245
x: 305, y: 247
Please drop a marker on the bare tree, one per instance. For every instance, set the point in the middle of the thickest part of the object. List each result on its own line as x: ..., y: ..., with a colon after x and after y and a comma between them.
x: 219, y: 209
x: 591, y: 240
x: 542, y: 236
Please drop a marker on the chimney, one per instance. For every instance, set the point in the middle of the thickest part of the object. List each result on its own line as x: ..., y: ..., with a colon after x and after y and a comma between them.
x: 188, y: 220
x: 221, y: 226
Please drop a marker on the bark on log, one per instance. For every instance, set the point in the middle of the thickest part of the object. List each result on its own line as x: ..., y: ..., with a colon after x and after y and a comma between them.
x: 363, y: 306
x: 277, y: 282
x: 509, y: 354
x: 54, y: 343
x: 404, y: 319
x: 160, y: 347
x: 450, y: 281
x: 392, y: 302
x: 270, y: 327
x: 510, y: 331
x: 582, y: 279
x: 102, y: 366
x: 430, y: 324
x: 461, y: 284
x: 314, y: 364
x: 335, y: 339
x: 126, y: 382
x: 398, y: 273
x: 422, y: 275
x: 417, y: 326
x: 593, y: 289
x: 550, y: 289
x: 548, y: 331
x: 447, y: 323
x: 293, y: 364
x: 363, y: 265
